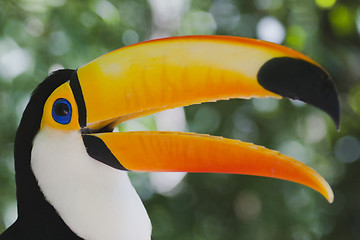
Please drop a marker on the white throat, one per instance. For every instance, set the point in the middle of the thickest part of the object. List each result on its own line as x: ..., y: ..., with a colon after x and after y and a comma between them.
x: 96, y: 201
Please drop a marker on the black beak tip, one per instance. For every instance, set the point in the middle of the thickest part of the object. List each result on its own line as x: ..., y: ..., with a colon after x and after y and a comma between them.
x: 302, y: 80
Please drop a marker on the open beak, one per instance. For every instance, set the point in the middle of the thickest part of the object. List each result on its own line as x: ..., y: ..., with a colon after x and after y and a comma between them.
x: 152, y: 76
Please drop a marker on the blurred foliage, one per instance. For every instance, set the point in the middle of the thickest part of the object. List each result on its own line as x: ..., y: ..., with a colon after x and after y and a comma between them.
x: 38, y: 36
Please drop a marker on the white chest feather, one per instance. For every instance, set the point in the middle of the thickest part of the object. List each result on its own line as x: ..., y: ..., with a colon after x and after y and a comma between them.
x: 95, y: 200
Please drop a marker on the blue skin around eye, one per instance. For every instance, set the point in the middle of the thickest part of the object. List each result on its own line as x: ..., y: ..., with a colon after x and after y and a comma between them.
x: 58, y: 118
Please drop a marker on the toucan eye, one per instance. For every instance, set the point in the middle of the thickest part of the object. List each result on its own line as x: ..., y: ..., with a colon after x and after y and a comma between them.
x: 61, y: 111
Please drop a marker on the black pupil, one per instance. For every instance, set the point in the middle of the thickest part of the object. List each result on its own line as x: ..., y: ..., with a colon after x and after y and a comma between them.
x: 61, y: 109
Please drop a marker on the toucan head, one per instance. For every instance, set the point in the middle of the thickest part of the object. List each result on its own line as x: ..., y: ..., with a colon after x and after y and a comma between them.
x: 145, y: 78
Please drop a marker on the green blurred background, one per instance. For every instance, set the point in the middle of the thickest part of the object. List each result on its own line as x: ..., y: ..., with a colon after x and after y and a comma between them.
x: 39, y: 36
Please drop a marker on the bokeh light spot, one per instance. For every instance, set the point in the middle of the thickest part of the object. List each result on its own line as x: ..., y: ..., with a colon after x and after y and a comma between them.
x: 315, y: 129
x: 347, y: 149
x: 34, y: 27
x: 296, y: 150
x: 88, y: 19
x: 15, y: 61
x: 247, y: 206
x: 198, y: 22
x: 268, y: 4
x: 167, y: 14
x: 227, y: 16
x: 206, y: 120
x: 341, y: 20
x: 358, y: 20
x: 171, y: 120
x: 10, y: 214
x: 146, y: 123
x: 270, y: 29
x: 165, y: 182
x: 55, y: 67
x: 265, y: 105
x: 325, y: 3
x: 296, y: 37
x: 130, y: 37
x: 107, y: 11
x: 60, y: 43
x: 297, y: 103
x: 354, y: 98
x: 245, y: 127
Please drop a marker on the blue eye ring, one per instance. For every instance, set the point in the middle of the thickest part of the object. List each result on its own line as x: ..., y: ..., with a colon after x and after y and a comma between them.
x: 62, y: 111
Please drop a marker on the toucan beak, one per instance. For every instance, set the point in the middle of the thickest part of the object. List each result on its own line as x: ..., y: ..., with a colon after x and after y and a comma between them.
x: 152, y: 76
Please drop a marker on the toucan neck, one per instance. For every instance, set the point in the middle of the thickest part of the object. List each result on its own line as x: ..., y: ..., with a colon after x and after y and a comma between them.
x: 36, y: 216
x: 31, y: 201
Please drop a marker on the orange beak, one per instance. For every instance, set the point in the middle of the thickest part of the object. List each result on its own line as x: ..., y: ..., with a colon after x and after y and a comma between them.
x: 152, y: 76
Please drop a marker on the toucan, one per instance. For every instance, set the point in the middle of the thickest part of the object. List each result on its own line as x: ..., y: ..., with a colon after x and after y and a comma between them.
x: 71, y: 168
